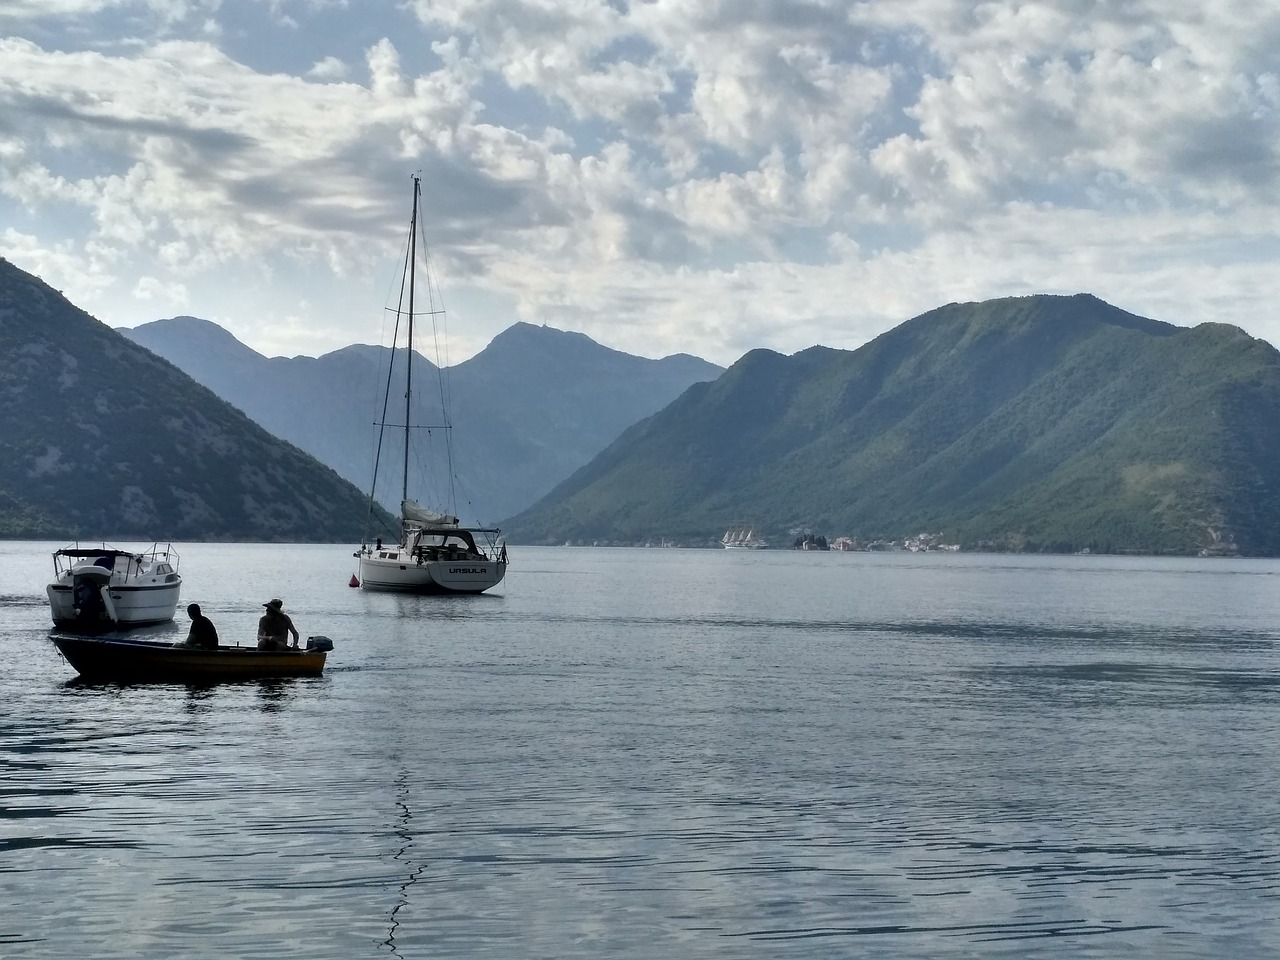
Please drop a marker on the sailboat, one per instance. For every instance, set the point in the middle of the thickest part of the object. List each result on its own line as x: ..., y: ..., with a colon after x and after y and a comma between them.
x: 743, y: 538
x: 435, y: 553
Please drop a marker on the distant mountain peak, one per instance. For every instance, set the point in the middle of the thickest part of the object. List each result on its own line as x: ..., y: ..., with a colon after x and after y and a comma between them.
x: 191, y: 336
x: 535, y: 404
x: 183, y: 320
x: 1041, y: 423
x: 522, y: 335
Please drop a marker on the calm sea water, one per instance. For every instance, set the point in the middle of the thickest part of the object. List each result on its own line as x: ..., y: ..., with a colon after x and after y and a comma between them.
x: 664, y: 753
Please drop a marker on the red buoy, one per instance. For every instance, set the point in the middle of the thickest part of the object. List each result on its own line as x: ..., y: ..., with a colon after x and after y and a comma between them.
x: 354, y: 582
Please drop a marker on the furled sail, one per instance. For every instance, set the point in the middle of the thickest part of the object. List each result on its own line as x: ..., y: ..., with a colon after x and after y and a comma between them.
x: 411, y: 510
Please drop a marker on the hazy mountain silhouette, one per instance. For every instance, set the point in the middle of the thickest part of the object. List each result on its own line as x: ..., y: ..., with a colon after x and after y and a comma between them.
x: 528, y: 410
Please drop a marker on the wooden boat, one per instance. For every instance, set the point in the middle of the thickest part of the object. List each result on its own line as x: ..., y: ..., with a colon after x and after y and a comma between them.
x: 125, y: 660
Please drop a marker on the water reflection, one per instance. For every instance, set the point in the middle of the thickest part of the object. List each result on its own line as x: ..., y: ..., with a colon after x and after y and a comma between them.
x: 672, y: 755
x: 273, y: 695
x: 433, y: 606
x: 404, y: 860
x: 200, y: 699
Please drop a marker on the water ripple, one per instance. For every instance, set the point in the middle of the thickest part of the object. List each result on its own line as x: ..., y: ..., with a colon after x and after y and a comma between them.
x: 661, y: 757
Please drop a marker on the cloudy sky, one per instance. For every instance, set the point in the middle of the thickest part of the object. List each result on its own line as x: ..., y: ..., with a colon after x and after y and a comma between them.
x: 704, y: 176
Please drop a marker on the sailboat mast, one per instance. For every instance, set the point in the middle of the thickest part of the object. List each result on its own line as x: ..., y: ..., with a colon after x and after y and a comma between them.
x: 408, y: 382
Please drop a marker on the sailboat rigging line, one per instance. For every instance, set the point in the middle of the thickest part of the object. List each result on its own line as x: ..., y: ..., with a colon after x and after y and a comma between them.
x: 444, y: 381
x: 391, y: 366
x: 435, y: 300
x: 408, y: 357
x: 434, y: 296
x: 417, y: 313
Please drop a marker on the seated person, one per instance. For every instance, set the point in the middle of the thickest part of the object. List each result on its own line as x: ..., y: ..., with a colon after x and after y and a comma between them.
x: 203, y: 633
x: 274, y: 627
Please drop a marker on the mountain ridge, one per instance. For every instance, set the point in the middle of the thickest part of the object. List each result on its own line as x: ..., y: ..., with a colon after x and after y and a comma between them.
x: 1041, y: 422
x: 105, y: 439
x: 526, y: 411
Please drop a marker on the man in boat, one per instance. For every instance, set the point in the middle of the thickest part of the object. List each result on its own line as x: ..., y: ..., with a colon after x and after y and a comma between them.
x: 274, y: 628
x: 203, y: 633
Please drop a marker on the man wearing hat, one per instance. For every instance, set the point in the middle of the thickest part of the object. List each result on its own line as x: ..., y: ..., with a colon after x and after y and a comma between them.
x: 274, y: 627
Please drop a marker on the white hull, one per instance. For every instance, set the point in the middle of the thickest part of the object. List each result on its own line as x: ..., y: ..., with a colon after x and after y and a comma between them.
x: 133, y: 606
x: 96, y: 588
x: 392, y: 571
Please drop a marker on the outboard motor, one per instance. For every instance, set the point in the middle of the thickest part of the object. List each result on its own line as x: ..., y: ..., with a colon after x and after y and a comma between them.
x: 319, y: 644
x: 87, y: 583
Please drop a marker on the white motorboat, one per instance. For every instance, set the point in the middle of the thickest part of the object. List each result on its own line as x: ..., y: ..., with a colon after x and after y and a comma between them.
x: 434, y: 553
x: 105, y: 588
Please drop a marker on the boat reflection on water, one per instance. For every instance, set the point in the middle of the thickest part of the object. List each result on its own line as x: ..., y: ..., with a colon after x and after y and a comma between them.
x: 273, y: 695
x: 200, y: 697
x: 408, y: 865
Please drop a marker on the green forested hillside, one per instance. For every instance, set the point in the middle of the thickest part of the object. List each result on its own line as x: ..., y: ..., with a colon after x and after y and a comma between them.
x: 1037, y: 423
x: 100, y: 438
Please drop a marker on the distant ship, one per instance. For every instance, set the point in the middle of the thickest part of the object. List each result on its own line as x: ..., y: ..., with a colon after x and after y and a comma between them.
x: 743, y: 538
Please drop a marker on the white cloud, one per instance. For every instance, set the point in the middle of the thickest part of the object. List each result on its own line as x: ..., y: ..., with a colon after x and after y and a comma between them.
x: 172, y: 296
x: 37, y: 9
x: 74, y: 11
x: 692, y: 175
x: 328, y: 69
